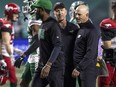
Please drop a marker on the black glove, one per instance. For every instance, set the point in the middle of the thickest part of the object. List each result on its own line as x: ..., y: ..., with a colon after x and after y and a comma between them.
x: 18, y: 62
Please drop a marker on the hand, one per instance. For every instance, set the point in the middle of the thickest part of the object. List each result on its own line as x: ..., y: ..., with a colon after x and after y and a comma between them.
x: 75, y: 73
x: 3, y: 64
x: 99, y: 58
x: 18, y: 51
x: 45, y: 71
x: 18, y: 62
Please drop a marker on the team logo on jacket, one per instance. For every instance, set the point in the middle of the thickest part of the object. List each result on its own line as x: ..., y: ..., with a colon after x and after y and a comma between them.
x: 41, y: 33
x: 57, y: 37
x: 71, y: 31
x: 108, y: 25
x: 78, y: 36
x: 7, y: 25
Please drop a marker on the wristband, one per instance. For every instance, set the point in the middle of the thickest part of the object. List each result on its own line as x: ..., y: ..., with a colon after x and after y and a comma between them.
x: 48, y: 65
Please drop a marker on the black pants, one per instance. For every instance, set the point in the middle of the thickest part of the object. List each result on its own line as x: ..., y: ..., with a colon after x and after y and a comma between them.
x: 69, y: 81
x: 55, y: 79
x: 88, y: 76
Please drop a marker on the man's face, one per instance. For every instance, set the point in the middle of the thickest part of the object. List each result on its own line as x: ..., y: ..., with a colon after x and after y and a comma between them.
x: 39, y: 13
x: 15, y: 17
x: 60, y: 14
x: 81, y: 15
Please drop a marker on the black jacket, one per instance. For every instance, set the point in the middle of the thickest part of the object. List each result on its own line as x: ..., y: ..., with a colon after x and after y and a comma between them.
x: 86, y: 46
x: 51, y: 43
x: 68, y: 39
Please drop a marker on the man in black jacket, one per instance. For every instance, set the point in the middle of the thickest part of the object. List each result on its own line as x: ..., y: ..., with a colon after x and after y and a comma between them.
x: 86, y: 47
x: 51, y: 64
x: 69, y: 31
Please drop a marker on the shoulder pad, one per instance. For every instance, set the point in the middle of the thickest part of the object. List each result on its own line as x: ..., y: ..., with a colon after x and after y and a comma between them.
x: 6, y: 24
x: 107, y: 24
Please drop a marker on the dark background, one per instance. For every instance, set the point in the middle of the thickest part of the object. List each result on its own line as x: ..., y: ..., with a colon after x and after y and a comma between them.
x: 99, y: 9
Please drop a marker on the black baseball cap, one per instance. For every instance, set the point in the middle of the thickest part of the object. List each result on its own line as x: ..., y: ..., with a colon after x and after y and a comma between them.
x: 114, y: 4
x: 59, y: 5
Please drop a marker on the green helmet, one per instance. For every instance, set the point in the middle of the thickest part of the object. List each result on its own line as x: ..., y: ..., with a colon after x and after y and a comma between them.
x: 45, y: 4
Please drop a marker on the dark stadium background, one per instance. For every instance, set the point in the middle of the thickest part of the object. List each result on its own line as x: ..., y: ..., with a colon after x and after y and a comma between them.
x: 99, y: 9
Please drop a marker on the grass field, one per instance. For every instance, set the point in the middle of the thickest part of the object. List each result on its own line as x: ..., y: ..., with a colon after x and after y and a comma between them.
x: 18, y: 73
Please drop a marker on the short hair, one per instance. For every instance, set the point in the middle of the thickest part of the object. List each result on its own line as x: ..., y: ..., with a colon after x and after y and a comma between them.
x: 87, y: 8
